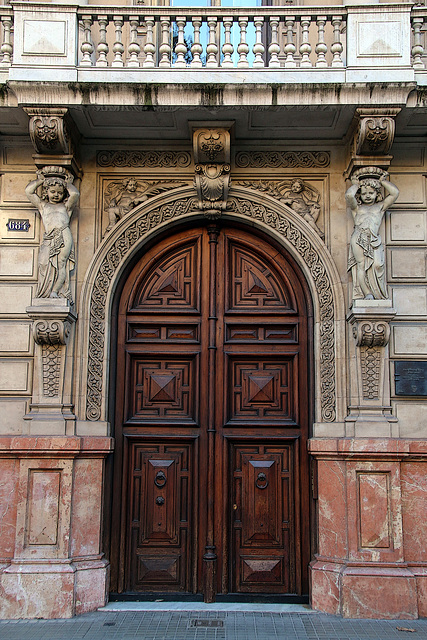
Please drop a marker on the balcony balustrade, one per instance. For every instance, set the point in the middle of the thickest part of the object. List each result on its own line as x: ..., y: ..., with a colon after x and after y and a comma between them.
x: 375, y: 42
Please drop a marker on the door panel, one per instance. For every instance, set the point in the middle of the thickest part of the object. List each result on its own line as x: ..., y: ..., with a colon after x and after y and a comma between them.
x: 161, y: 517
x: 211, y: 471
x: 263, y: 526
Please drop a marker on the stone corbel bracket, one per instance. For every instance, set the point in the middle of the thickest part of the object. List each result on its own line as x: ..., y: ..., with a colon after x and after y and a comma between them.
x: 52, y: 320
x: 370, y: 322
x: 53, y: 136
x: 211, y: 147
x: 372, y: 138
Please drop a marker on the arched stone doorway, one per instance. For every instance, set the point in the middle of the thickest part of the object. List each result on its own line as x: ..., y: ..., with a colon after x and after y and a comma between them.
x: 211, y: 486
x: 139, y: 230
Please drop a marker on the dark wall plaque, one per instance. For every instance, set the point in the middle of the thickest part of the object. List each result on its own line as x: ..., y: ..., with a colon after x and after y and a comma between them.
x: 410, y: 377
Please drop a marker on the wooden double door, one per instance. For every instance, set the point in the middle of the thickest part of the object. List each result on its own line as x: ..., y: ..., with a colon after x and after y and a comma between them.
x: 211, y: 485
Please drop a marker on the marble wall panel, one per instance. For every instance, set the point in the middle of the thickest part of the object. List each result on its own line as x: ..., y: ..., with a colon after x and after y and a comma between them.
x: 86, y: 522
x: 17, y: 262
x: 408, y: 263
x: 43, y: 507
x: 414, y: 510
x: 15, y: 337
x: 407, y: 226
x: 410, y: 301
x: 14, y: 376
x: 15, y: 299
x: 409, y: 340
x: 9, y: 472
x: 332, y: 509
x: 374, y: 523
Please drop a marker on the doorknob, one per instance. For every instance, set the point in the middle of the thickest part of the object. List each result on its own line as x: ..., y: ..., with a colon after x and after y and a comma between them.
x: 235, y: 507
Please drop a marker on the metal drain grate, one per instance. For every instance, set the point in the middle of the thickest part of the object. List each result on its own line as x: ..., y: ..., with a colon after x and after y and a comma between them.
x: 206, y: 623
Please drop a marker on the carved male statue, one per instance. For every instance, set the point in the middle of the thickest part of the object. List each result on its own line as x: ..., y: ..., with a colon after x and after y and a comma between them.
x: 367, y: 205
x: 56, y: 256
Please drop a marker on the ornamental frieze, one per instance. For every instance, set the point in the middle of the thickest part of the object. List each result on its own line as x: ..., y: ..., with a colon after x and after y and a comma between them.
x: 163, y: 159
x: 282, y: 159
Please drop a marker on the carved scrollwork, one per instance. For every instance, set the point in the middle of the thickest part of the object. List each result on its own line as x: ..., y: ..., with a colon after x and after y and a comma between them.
x: 371, y: 333
x: 282, y: 159
x: 51, y: 364
x: 164, y: 159
x: 370, y: 362
x: 178, y: 208
x: 48, y: 130
x: 50, y: 332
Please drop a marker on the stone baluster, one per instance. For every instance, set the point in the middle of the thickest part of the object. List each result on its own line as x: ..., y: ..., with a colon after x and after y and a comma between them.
x: 87, y: 46
x: 180, y: 48
x: 417, y: 49
x: 305, y: 48
x: 196, y: 49
x: 321, y: 47
x: 118, y: 48
x: 274, y: 48
x: 212, y: 48
x: 6, y: 47
x: 258, y: 47
x: 149, y: 47
x: 290, y: 48
x: 102, y: 47
x: 227, y: 47
x: 165, y: 47
x: 242, y: 47
x: 337, y: 47
x: 133, y: 49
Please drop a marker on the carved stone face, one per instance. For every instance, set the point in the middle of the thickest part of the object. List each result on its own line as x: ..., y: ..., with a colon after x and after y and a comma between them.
x: 368, y: 195
x: 296, y: 186
x: 55, y: 193
x: 131, y: 185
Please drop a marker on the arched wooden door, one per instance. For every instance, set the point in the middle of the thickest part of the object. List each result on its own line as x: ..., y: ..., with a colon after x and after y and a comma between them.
x: 211, y: 474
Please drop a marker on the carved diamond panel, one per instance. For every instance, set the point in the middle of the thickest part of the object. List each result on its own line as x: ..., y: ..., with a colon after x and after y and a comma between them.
x: 163, y: 389
x: 260, y: 390
x: 253, y: 285
x: 173, y: 283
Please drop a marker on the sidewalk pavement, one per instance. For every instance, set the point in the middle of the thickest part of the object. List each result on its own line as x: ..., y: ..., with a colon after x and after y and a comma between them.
x: 212, y: 625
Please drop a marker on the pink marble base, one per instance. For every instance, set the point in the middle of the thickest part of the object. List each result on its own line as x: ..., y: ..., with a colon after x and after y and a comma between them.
x: 372, y: 528
x: 51, y: 562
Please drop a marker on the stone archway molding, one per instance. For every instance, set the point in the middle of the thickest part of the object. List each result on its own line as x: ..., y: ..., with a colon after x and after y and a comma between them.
x: 245, y: 205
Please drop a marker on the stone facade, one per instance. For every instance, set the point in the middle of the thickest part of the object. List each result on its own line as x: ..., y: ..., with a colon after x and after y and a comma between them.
x: 153, y: 143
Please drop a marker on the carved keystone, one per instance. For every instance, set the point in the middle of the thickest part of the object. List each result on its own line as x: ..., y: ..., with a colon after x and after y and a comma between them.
x: 211, y: 146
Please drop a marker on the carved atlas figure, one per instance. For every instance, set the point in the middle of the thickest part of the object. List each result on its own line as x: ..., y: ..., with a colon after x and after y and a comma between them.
x: 368, y: 206
x: 58, y: 200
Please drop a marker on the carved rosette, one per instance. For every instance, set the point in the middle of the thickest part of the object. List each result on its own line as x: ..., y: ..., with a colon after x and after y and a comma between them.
x: 48, y: 130
x: 211, y: 148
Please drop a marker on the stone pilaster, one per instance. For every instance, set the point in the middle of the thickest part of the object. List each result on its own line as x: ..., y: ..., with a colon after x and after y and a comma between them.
x: 51, y: 411
x: 370, y: 410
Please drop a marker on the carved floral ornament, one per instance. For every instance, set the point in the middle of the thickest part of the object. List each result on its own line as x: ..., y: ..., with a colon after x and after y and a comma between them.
x: 371, y: 333
x: 48, y: 130
x: 375, y: 133
x: 211, y: 147
x: 245, y: 206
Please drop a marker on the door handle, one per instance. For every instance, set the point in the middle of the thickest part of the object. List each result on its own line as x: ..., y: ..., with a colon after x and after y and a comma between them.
x: 261, y: 481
